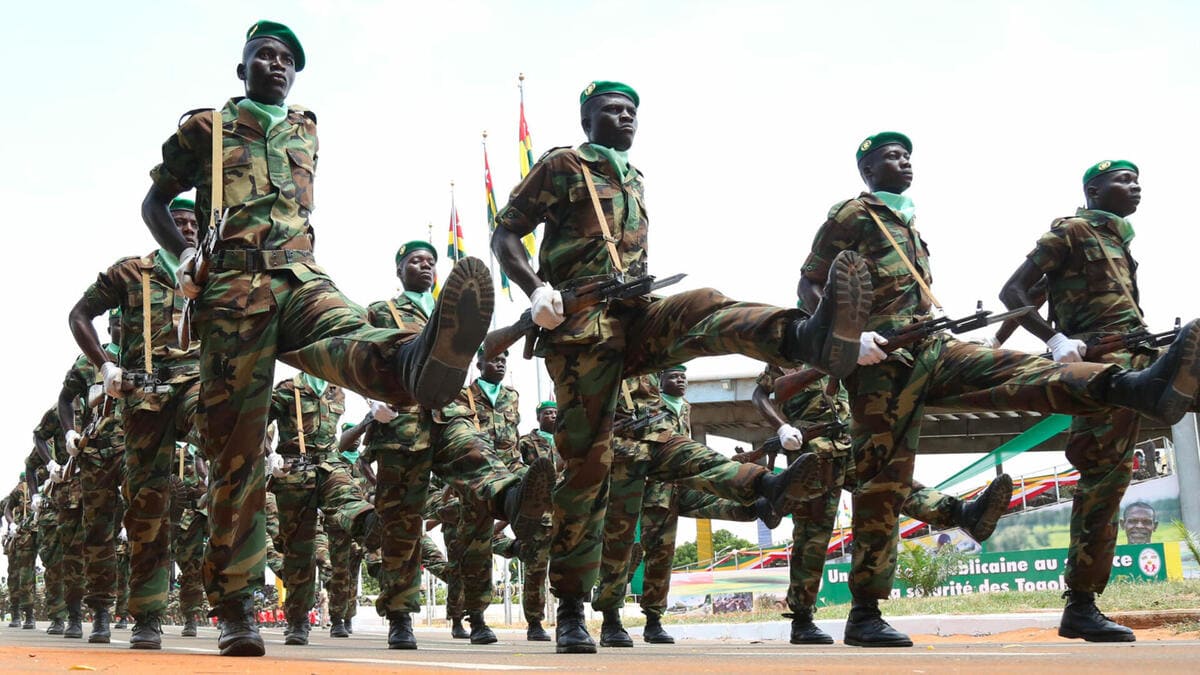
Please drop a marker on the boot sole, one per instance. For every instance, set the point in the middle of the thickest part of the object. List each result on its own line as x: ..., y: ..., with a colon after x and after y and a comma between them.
x: 1180, y: 394
x: 536, y: 499
x: 575, y: 649
x: 145, y: 645
x: 486, y: 641
x: 849, y: 286
x: 99, y: 639
x: 245, y: 647
x: 827, y: 640
x: 402, y: 645
x: 883, y: 643
x: 616, y: 643
x: 997, y: 503
x: 463, y: 314
x: 545, y: 638
x: 795, y: 492
x: 1103, y: 637
x: 295, y: 642
x: 659, y: 641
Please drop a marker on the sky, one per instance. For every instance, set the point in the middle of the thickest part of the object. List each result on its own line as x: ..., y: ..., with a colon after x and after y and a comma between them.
x: 750, y: 114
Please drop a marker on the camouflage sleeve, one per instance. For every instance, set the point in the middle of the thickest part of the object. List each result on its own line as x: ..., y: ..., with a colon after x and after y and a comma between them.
x: 47, y: 428
x: 79, y: 378
x: 1051, y: 250
x: 278, y: 403
x: 182, y: 155
x: 533, y: 198
x: 375, y: 313
x: 766, y: 379
x: 107, y: 291
x: 839, y: 232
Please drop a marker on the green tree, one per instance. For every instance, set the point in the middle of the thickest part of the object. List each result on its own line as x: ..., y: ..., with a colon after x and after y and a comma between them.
x: 723, y: 540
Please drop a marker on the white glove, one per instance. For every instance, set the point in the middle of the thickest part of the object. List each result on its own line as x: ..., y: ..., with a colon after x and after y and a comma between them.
x: 790, y: 437
x: 55, y: 471
x: 1065, y: 349
x: 989, y: 342
x: 869, y: 352
x: 275, y: 465
x: 112, y: 379
x: 382, y: 412
x: 36, y: 502
x: 547, y: 307
x: 12, y: 529
x: 73, y: 442
x: 187, y: 287
x: 123, y: 535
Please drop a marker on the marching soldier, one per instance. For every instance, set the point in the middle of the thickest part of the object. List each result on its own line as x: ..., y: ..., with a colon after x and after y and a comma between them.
x: 591, y: 200
x: 888, y: 392
x: 21, y: 550
x: 61, y: 521
x: 346, y: 555
x: 189, y: 532
x: 261, y: 296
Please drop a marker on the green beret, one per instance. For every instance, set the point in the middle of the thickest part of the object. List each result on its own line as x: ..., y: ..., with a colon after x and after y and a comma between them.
x: 1108, y: 166
x: 417, y: 245
x: 280, y: 32
x: 182, y: 204
x: 879, y: 140
x: 605, y: 87
x: 546, y: 404
x: 678, y: 368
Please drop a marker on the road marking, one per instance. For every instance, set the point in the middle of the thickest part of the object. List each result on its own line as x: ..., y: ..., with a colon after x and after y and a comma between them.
x: 873, y: 653
x: 442, y: 664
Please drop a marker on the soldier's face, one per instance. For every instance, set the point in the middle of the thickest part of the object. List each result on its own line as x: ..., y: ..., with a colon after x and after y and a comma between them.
x: 1117, y: 192
x: 185, y: 222
x: 611, y: 120
x: 888, y: 169
x: 268, y: 68
x: 416, y: 271
x: 1139, y: 525
x: 674, y: 383
x: 493, y: 371
x: 548, y: 419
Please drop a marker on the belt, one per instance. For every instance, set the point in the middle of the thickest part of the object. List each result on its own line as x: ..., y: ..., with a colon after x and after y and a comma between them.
x: 164, y: 373
x: 255, y: 260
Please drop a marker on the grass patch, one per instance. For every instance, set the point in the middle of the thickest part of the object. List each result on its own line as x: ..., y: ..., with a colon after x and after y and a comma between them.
x: 1183, y: 627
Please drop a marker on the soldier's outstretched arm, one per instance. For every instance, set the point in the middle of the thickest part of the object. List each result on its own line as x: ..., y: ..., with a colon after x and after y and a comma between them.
x: 80, y: 322
x: 762, y: 403
x: 158, y: 220
x: 514, y: 260
x: 1020, y: 291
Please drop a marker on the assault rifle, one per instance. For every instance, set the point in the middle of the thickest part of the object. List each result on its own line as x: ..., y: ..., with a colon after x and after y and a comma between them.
x: 632, y: 424
x: 147, y: 382
x: 575, y: 299
x: 793, y: 383
x: 914, y: 333
x: 1107, y: 344
x: 771, y: 447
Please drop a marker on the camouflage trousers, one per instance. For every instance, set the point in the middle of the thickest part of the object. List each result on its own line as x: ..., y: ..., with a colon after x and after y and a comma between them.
x: 888, y: 401
x: 681, y: 460
x: 644, y: 337
x: 50, y: 550
x: 153, y: 423
x: 70, y: 536
x: 455, y: 595
x: 100, y: 469
x: 345, y: 555
x: 331, y: 488
x: 460, y: 455
x: 271, y: 518
x: 533, y: 581
x: 432, y: 558
x: 22, y: 572
x: 188, y: 546
x: 122, y: 608
x: 245, y: 321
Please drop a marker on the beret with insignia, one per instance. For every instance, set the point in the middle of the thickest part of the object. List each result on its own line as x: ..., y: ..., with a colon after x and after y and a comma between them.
x: 872, y: 143
x: 676, y: 368
x: 416, y: 245
x: 1108, y: 166
x: 182, y: 204
x: 278, y: 31
x: 547, y: 404
x: 606, y: 87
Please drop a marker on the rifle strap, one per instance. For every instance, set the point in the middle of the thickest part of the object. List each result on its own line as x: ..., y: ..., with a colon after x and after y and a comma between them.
x: 474, y: 412
x: 182, y: 452
x: 299, y: 417
x: 628, y: 397
x: 395, y: 314
x: 217, y: 191
x: 603, y: 220
x: 904, y: 257
x: 147, y: 343
x: 1112, y: 269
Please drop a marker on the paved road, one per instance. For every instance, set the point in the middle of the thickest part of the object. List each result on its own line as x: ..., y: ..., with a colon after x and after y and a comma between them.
x: 34, y: 651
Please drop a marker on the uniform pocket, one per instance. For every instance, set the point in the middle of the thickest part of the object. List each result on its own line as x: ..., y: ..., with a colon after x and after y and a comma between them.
x: 303, y: 169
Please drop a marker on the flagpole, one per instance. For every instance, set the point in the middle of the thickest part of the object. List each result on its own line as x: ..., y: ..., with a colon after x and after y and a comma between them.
x: 527, y: 158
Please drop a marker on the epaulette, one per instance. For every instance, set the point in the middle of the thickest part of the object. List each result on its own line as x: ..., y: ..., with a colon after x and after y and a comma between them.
x: 837, y: 208
x: 303, y: 111
x: 552, y: 150
x: 188, y: 115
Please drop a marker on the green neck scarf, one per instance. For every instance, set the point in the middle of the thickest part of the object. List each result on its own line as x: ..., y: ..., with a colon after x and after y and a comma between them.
x: 618, y: 158
x: 113, y: 349
x: 267, y: 115
x: 1124, y: 227
x: 423, y: 300
x: 492, y: 390
x: 169, y: 263
x: 901, y: 204
x: 548, y: 436
x: 351, y: 456
x: 675, y: 403
x: 316, y: 383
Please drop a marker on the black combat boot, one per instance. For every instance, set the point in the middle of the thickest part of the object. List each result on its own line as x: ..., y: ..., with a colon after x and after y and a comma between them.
x: 147, y: 632
x: 433, y: 366
x: 296, y: 633
x: 612, y: 632
x: 866, y: 627
x: 16, y: 617
x: 829, y: 339
x: 457, y: 631
x: 74, y: 620
x: 1082, y: 619
x: 804, y: 631
x: 100, y: 632
x: 337, y: 629
x: 122, y: 622
x: 526, y: 504
x: 1167, y: 389
x: 654, y: 633
x: 400, y: 631
x: 190, y: 627
x: 239, y: 629
x: 30, y: 623
x: 56, y: 626
x: 349, y: 625
x: 535, y: 633
x: 784, y: 490
x: 767, y: 513
x: 980, y: 515
x: 571, y: 635
x: 480, y: 633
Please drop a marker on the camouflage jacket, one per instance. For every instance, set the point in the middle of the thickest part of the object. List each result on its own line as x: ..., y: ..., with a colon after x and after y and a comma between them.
x: 189, y: 489
x: 662, y: 495
x: 319, y: 412
x: 898, y: 297
x: 1085, y: 298
x: 69, y: 493
x: 21, y: 503
x: 120, y: 287
x: 413, y: 318
x: 268, y: 191
x: 533, y: 445
x: 812, y: 406
x: 573, y: 245
x: 499, y: 421
x: 79, y: 380
x: 640, y: 397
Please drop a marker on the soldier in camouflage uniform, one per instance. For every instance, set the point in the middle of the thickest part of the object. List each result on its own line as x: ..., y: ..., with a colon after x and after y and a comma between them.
x: 346, y: 555
x: 63, y: 525
x: 21, y: 550
x: 189, y: 531
x: 121, y: 612
x: 307, y: 475
x: 446, y: 507
x: 409, y: 441
x: 888, y: 393
x: 591, y: 351
x: 158, y: 382
x: 536, y: 444
x: 1091, y: 279
x: 266, y: 298
x: 813, y: 520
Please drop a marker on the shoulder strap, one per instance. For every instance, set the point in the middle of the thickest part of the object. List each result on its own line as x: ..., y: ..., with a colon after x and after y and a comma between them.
x: 474, y: 412
x: 146, y: 337
x: 395, y: 313
x: 299, y: 417
x: 628, y: 397
x: 182, y: 453
x: 604, y: 229
x: 217, y: 190
x: 904, y: 256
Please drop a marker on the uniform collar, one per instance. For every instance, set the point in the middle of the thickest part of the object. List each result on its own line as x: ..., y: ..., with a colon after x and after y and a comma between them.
x: 1114, y: 224
x: 592, y: 156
